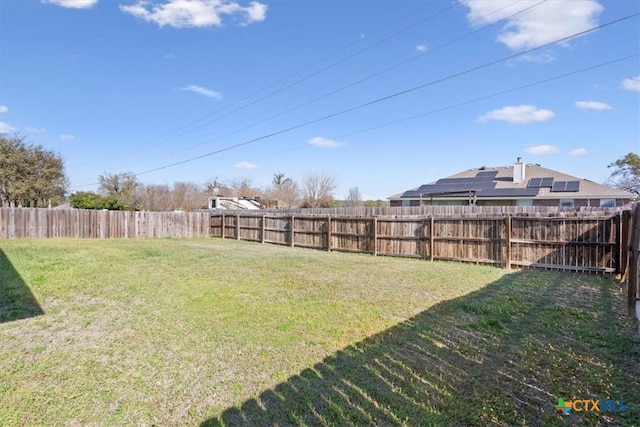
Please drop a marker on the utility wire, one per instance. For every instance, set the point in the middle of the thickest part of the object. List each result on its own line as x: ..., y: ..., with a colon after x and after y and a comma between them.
x: 493, y: 95
x: 388, y: 97
x: 467, y: 102
x: 397, y: 65
x: 394, y: 95
x: 185, y: 128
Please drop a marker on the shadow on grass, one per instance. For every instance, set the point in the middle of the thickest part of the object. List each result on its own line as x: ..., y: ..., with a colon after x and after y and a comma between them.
x: 500, y: 356
x: 16, y: 300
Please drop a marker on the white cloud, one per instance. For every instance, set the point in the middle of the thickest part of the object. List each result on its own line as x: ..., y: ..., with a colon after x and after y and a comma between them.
x: 66, y: 137
x: 632, y: 84
x: 579, y: 152
x: 520, y: 115
x: 35, y: 130
x: 537, y: 26
x: 73, y: 4
x: 3, y: 109
x: 195, y: 13
x: 593, y: 105
x: 203, y: 91
x: 422, y: 47
x: 321, y: 142
x: 542, y: 149
x: 245, y: 165
x: 256, y: 12
x: 7, y: 128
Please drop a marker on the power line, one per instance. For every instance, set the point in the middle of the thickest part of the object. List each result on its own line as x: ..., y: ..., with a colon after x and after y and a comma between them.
x: 394, y: 95
x: 467, y: 102
x: 470, y: 101
x: 172, y: 134
x: 397, y: 65
x: 391, y: 96
x: 493, y: 95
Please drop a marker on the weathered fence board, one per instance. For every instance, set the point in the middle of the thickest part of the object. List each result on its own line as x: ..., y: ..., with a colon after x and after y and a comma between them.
x: 589, y: 243
x: 91, y: 224
x: 437, y: 211
x: 575, y: 241
x: 633, y: 260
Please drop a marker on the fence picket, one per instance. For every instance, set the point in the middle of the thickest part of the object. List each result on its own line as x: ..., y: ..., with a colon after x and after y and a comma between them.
x: 575, y: 243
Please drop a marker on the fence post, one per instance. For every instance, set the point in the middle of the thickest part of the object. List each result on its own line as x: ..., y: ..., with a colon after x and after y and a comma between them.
x: 432, y: 241
x: 624, y: 244
x: 634, y: 253
x: 617, y: 256
x: 222, y: 225
x: 293, y: 239
x: 329, y: 226
x: 238, y: 227
x: 507, y: 263
x: 263, y: 230
x: 374, y: 231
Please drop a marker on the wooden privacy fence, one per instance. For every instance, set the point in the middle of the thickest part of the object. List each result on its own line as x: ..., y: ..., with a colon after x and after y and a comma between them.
x: 587, y: 243
x: 437, y: 211
x: 631, y: 275
x: 92, y: 224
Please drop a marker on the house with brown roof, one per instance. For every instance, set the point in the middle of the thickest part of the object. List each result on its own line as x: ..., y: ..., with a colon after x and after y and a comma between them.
x: 522, y: 184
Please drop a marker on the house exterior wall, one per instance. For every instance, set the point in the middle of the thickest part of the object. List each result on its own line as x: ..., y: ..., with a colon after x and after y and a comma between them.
x: 577, y: 203
x: 496, y: 203
x: 623, y: 203
x: 546, y: 202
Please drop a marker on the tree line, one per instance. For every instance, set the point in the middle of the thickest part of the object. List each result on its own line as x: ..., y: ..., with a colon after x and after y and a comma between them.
x: 122, y: 191
x: 32, y: 176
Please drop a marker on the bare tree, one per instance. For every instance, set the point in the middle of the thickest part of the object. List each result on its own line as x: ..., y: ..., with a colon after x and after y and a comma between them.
x: 217, y: 187
x: 187, y: 196
x: 242, y: 187
x: 183, y: 196
x: 354, y: 198
x: 285, y: 191
x: 317, y: 190
x: 154, y: 197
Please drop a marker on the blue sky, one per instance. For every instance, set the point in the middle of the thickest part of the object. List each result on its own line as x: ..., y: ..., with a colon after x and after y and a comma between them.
x: 383, y: 95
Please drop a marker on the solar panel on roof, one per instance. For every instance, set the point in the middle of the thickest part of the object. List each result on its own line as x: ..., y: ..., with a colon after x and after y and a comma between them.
x: 546, y: 182
x: 573, y: 186
x: 446, y: 181
x: 540, y: 182
x: 487, y: 174
x: 534, y: 183
x: 565, y: 186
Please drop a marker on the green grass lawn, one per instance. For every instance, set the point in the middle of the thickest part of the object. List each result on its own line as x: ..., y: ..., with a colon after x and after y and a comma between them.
x: 219, y: 332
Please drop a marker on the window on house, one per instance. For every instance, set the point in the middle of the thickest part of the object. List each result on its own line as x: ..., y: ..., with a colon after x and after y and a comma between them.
x: 405, y: 203
x: 524, y: 202
x: 566, y: 203
x: 607, y: 203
